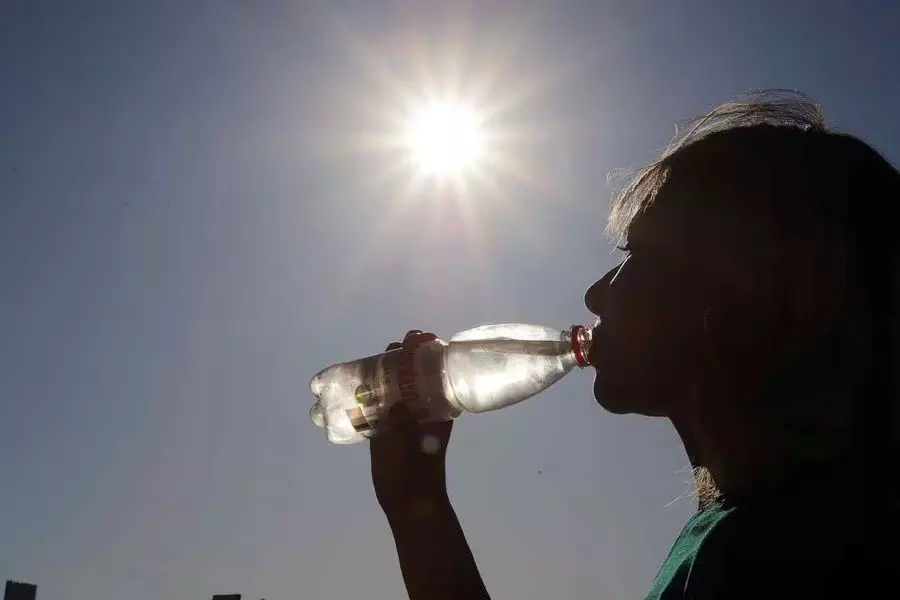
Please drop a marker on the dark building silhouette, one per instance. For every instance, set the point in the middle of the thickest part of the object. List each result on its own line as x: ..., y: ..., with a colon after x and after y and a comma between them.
x: 227, y: 597
x: 21, y: 591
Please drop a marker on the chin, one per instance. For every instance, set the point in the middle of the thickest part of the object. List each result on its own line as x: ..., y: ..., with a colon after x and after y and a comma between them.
x: 609, y: 398
x: 614, y: 398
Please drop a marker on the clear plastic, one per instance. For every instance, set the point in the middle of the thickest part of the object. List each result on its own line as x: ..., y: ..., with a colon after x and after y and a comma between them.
x: 342, y: 404
x: 494, y: 366
x: 478, y: 370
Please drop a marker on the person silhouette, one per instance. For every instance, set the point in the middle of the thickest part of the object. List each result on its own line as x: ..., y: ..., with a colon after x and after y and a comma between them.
x: 755, y: 308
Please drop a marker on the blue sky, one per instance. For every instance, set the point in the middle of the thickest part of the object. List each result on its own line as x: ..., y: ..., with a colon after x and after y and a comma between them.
x: 191, y: 225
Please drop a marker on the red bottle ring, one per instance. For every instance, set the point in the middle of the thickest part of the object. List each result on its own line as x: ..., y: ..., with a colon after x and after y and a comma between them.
x: 575, y: 339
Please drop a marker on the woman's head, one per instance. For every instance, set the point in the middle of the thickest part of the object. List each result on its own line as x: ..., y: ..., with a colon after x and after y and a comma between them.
x: 758, y: 282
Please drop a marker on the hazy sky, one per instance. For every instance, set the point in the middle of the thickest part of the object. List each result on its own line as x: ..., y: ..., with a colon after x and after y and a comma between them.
x: 197, y: 212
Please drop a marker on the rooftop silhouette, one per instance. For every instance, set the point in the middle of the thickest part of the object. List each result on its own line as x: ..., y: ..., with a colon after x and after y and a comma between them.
x: 16, y: 590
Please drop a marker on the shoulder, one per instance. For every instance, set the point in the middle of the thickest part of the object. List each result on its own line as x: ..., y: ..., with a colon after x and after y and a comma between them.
x: 776, y: 551
x: 672, y: 579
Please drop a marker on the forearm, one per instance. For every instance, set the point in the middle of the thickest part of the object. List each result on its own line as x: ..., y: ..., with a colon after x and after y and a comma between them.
x: 435, y: 558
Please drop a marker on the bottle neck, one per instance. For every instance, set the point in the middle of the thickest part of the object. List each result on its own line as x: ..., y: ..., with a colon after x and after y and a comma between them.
x: 580, y: 339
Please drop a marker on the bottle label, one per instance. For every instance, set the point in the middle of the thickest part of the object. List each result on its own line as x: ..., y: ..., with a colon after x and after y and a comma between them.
x: 386, y: 378
x: 377, y: 392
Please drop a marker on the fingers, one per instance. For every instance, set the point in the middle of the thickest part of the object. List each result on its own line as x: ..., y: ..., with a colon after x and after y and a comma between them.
x: 412, y: 340
x: 398, y: 422
x: 400, y: 419
x: 415, y: 338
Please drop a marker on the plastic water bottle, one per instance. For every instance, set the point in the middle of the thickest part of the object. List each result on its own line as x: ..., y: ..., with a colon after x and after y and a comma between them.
x: 476, y: 371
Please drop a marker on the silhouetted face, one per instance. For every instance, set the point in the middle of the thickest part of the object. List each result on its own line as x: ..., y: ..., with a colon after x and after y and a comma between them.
x: 705, y: 299
x: 649, y: 347
x: 733, y: 275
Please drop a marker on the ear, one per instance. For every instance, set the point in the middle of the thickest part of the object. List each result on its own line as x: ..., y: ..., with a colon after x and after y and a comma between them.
x: 744, y: 331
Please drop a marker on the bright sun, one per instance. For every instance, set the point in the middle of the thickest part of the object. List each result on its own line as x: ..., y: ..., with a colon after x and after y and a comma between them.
x: 444, y: 139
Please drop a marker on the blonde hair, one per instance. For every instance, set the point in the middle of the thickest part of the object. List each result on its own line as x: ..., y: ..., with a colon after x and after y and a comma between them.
x: 781, y: 108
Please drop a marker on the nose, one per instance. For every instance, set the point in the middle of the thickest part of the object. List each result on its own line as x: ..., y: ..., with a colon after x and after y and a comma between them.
x: 595, y: 296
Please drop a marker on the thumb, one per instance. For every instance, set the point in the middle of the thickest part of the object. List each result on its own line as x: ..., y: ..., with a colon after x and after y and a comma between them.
x: 400, y: 418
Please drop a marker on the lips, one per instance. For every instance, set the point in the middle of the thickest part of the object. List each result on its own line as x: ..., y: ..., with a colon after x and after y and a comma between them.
x: 607, y: 363
x: 593, y: 357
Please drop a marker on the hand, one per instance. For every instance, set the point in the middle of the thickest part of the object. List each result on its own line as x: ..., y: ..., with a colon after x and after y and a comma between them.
x: 407, y: 457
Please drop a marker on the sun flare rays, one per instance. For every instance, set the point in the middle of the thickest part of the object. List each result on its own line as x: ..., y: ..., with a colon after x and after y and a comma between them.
x: 441, y: 136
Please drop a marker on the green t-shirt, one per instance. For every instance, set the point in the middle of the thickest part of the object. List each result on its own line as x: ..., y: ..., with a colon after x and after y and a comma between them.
x: 673, y: 577
x: 787, y: 545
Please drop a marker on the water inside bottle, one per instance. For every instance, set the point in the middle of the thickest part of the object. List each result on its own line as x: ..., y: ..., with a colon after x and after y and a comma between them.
x: 485, y: 375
